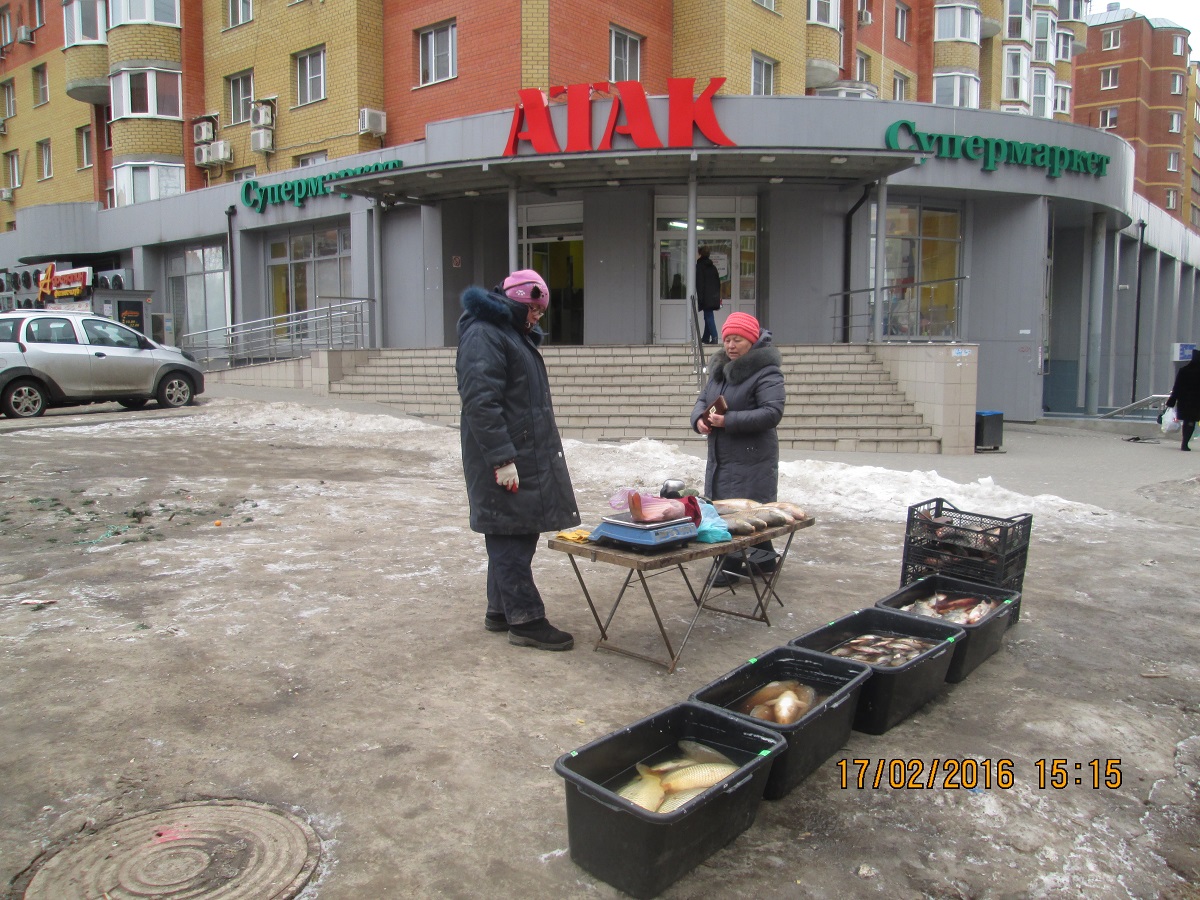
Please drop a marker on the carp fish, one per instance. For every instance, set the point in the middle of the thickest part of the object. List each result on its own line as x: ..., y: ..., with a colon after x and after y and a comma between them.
x: 667, y: 785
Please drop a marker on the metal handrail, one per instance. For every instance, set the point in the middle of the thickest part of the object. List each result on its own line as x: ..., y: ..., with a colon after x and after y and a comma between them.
x: 1154, y: 401
x: 699, y: 364
x: 328, y: 326
x: 842, y: 322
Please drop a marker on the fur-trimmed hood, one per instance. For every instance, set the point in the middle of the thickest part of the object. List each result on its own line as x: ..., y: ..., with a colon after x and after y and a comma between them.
x: 490, y: 306
x: 757, y: 358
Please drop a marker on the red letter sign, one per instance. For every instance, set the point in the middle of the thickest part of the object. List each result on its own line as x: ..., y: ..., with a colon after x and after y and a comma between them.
x: 539, y: 130
x: 639, y: 125
x: 686, y: 112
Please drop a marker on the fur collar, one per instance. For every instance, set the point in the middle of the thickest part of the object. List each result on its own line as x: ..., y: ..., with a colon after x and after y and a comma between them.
x: 490, y: 306
x: 756, y: 359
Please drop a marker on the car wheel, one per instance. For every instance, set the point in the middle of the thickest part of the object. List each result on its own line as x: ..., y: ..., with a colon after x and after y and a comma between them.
x: 175, y: 390
x: 23, y: 399
x: 133, y: 402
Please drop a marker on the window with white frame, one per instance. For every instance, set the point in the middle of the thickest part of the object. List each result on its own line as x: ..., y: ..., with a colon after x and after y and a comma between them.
x: 824, y: 12
x: 39, y: 13
x: 1176, y: 83
x: 902, y: 13
x: 1195, y: 182
x: 150, y: 93
x: 1020, y: 19
x: 241, y: 97
x: 312, y: 159
x: 139, y: 182
x: 8, y: 96
x: 6, y: 35
x: 768, y: 4
x: 899, y: 87
x: 310, y: 76
x: 1196, y: 147
x: 1173, y: 161
x: 1063, y: 51
x: 1195, y: 216
x: 625, y: 55
x: 1043, y: 93
x: 1110, y: 39
x: 1178, y: 45
x: 1172, y: 198
x: 1045, y: 26
x: 12, y: 167
x: 41, y: 85
x: 1108, y: 118
x: 85, y: 22
x: 246, y: 173
x: 1196, y: 111
x: 762, y: 76
x: 45, y: 160
x: 1016, y: 73
x: 1176, y: 123
x: 108, y: 117
x: 1110, y: 78
x: 157, y: 12
x: 956, y: 89
x: 1074, y: 10
x: 1062, y: 99
x: 862, y: 67
x: 956, y: 23
x: 83, y: 147
x: 439, y: 52
x: 240, y: 12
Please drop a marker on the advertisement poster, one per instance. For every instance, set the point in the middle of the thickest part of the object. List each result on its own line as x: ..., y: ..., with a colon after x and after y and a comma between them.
x: 132, y: 313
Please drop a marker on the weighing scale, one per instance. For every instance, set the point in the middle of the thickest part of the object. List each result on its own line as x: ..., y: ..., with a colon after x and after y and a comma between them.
x: 645, y: 536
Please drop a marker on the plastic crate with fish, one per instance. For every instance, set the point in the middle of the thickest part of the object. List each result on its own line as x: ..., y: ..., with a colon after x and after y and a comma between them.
x: 808, y: 697
x: 908, y: 655
x: 942, y: 539
x: 982, y: 611
x: 648, y: 803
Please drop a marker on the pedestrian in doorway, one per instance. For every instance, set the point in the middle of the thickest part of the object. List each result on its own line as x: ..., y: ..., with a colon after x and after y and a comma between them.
x: 1185, y: 397
x: 708, y: 294
x: 517, y: 479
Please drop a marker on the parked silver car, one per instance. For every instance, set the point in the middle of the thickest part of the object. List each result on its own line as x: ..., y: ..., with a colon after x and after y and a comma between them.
x: 59, y: 358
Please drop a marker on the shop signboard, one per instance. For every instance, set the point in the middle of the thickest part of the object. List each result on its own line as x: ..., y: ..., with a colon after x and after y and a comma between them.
x: 132, y: 313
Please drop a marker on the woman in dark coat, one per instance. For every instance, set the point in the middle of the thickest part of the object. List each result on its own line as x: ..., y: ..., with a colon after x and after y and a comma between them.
x: 517, y: 479
x: 743, y: 446
x: 1185, y: 397
x: 708, y: 294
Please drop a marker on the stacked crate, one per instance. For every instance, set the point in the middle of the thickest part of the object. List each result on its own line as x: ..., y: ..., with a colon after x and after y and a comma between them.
x: 943, y: 540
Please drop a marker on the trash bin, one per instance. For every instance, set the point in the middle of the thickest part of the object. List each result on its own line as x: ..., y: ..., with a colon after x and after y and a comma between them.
x: 989, y: 429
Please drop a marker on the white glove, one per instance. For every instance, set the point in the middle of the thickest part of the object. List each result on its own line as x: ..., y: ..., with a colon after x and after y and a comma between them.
x: 506, y: 476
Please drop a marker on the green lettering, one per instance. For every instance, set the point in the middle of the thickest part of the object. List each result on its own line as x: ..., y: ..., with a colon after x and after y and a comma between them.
x: 949, y: 146
x: 924, y: 140
x: 299, y: 192
x: 1102, y: 164
x: 1041, y: 156
x: 285, y: 192
x: 995, y: 151
x: 1058, y: 160
x: 1020, y: 153
x: 316, y: 187
x: 972, y: 147
x: 1078, y: 162
x: 250, y: 194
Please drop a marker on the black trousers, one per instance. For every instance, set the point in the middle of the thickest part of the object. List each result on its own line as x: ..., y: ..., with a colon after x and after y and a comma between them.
x: 1188, y: 428
x: 510, y: 587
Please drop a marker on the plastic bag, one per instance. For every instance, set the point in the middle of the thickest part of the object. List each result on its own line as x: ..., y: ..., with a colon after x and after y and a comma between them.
x: 712, y: 528
x: 1170, y: 423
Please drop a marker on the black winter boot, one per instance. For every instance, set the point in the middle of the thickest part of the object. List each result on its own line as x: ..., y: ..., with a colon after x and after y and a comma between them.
x: 540, y: 634
x: 495, y: 623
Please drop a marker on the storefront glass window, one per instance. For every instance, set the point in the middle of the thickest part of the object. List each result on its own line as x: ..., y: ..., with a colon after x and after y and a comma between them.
x: 923, y: 256
x: 197, y: 292
x: 308, y: 269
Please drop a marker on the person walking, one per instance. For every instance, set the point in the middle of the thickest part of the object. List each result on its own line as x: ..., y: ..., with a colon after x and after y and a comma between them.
x: 708, y: 294
x: 516, y: 475
x: 1185, y: 398
x: 743, y: 445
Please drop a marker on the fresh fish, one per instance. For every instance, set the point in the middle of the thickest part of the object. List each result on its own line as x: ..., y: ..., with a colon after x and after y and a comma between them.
x: 765, y: 694
x: 676, y: 800
x: 703, y: 775
x: 737, y: 525
x: 734, y: 504
x: 670, y: 765
x: 787, y: 507
x: 645, y: 791
x: 759, y: 524
x: 773, y: 517
x: 885, y: 651
x: 702, y: 753
x: 763, y: 711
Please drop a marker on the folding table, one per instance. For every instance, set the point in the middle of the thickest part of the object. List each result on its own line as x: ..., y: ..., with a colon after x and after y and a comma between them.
x: 639, y: 563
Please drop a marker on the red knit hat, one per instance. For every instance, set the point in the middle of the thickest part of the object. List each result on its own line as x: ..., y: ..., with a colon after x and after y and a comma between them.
x: 744, y: 324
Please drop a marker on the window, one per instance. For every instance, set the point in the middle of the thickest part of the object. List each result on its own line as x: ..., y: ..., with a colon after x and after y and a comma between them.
x: 956, y: 23
x: 1110, y: 39
x: 1020, y: 19
x: 197, y: 288
x: 956, y: 89
x: 1176, y: 123
x: 12, y: 168
x: 923, y: 258
x: 1176, y: 83
x: 823, y: 12
x: 310, y: 76
x: 902, y: 22
x: 152, y: 93
x: 6, y: 35
x: 312, y: 159
x: 306, y: 266
x: 762, y: 76
x: 1108, y: 117
x: 108, y: 117
x: 768, y: 4
x: 862, y: 67
x: 84, y: 22
x: 241, y: 97
x: 1072, y: 9
x: 1178, y: 45
x: 1195, y: 182
x: 157, y: 12
x: 240, y: 12
x: 899, y: 87
x: 1063, y: 51
x: 246, y: 173
x: 1109, y: 78
x: 1062, y: 99
x: 137, y: 183
x: 1173, y: 161
x: 1172, y: 198
x: 39, y: 13
x: 8, y: 96
x: 45, y: 160
x: 1195, y: 216
x: 1043, y: 91
x: 625, y: 63
x: 1045, y: 26
x: 83, y: 146
x: 439, y: 52
x: 1196, y: 147
x: 41, y: 86
x: 1016, y: 74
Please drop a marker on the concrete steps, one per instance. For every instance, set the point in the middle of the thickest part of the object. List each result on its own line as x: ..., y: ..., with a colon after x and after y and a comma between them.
x: 839, y: 397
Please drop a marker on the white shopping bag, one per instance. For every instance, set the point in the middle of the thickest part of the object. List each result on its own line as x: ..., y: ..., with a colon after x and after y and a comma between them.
x: 1170, y: 423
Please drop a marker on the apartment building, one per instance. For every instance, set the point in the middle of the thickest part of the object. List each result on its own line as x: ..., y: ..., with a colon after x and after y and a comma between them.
x: 868, y: 170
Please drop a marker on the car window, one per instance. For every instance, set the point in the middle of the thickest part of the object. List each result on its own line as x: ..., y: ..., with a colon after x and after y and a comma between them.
x: 8, y: 329
x: 109, y: 334
x: 51, y: 331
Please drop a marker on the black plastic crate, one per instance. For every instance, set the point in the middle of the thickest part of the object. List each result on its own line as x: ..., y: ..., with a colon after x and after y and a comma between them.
x: 921, y: 561
x: 816, y: 735
x: 891, y: 694
x: 642, y: 852
x: 983, y: 638
x: 942, y: 539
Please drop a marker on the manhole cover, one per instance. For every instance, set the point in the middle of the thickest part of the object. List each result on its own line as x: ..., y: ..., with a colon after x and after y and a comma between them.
x: 231, y: 849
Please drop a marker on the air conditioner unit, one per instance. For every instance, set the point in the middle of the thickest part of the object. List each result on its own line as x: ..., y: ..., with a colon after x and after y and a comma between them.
x: 203, y: 152
x: 6, y: 194
x: 24, y: 34
x: 864, y: 17
x: 220, y: 152
x: 115, y: 280
x: 372, y: 121
x: 262, y: 115
x: 202, y: 132
x: 262, y: 140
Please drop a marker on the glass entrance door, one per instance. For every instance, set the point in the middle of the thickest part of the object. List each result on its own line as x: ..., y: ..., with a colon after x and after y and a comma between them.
x: 560, y: 263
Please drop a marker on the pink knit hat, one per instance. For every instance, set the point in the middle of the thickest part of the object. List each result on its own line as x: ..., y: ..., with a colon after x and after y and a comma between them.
x: 744, y: 324
x: 527, y: 286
